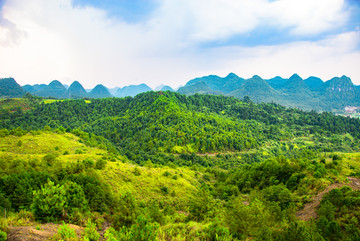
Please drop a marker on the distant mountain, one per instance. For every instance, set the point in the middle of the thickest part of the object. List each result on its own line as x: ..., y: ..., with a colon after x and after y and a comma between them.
x: 99, y: 91
x: 113, y: 90
x: 54, y: 89
x: 33, y: 88
x: 166, y: 88
x: 158, y: 88
x: 314, y: 83
x: 199, y: 87
x: 76, y: 90
x: 340, y: 92
x: 296, y: 87
x: 132, y: 90
x: 163, y: 88
x: 257, y: 89
x: 218, y: 84
x: 296, y: 93
x: 340, y: 86
x: 309, y: 94
x: 10, y: 88
x: 277, y: 82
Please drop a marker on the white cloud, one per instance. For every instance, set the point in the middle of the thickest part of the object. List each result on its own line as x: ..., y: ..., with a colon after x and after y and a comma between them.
x: 335, y: 56
x: 67, y: 43
x: 204, y: 20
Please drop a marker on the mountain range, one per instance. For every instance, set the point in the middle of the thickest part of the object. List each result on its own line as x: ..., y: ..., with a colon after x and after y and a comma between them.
x: 308, y: 94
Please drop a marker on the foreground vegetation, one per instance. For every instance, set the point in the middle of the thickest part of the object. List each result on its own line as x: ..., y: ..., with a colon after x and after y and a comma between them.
x: 163, y: 166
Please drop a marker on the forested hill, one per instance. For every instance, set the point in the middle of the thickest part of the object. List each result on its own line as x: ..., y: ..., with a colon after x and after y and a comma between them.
x: 169, y: 122
x: 166, y: 166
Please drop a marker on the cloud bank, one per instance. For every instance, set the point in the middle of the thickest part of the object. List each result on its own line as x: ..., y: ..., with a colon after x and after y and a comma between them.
x: 42, y: 40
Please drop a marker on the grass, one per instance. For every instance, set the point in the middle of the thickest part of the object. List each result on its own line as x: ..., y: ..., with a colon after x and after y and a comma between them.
x: 49, y: 101
x: 12, y: 104
x: 146, y: 183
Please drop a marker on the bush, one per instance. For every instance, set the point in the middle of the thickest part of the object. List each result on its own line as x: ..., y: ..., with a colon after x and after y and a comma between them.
x: 53, y: 202
x: 49, y: 202
x: 143, y: 230
x: 126, y: 211
x: 50, y: 159
x: 100, y: 164
x: 164, y: 189
x: 90, y: 232
x: 3, y: 236
x: 66, y: 233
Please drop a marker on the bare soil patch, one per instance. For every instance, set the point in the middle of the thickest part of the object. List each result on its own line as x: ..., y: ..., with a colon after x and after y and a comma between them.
x: 309, y: 210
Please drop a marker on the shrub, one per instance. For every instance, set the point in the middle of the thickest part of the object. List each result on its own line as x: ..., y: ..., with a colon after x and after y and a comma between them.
x: 126, y: 211
x: 90, y: 232
x: 164, y: 189
x: 49, y: 202
x: 137, y: 171
x: 3, y: 236
x: 66, y: 233
x: 50, y: 159
x: 100, y: 164
x: 143, y: 230
x: 53, y: 202
x: 88, y: 163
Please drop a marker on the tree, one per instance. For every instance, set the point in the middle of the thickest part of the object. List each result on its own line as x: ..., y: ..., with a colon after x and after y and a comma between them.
x: 49, y: 202
x: 53, y: 202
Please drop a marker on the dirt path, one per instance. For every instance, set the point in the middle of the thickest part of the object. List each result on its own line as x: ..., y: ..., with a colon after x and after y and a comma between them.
x: 309, y: 210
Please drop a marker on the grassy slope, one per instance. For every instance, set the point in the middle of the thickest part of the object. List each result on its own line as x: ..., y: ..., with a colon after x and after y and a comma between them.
x: 12, y: 104
x: 144, y: 182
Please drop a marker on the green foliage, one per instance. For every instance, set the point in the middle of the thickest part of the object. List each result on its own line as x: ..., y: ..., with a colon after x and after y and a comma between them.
x: 126, y: 211
x: 90, y: 233
x: 216, y: 231
x: 297, y: 231
x: 3, y: 236
x: 244, y: 220
x: 66, y: 233
x: 143, y: 230
x: 338, y: 214
x: 200, y: 205
x: 54, y: 202
x: 49, y: 202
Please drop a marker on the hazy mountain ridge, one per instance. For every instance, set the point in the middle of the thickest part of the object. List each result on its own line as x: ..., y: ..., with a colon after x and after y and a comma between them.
x: 132, y: 90
x: 308, y: 94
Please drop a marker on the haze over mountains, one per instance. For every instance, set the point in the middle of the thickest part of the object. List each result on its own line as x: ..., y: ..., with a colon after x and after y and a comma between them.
x: 308, y: 94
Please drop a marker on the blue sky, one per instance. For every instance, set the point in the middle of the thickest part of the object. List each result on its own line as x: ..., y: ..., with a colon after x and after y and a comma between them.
x: 131, y: 11
x: 122, y: 42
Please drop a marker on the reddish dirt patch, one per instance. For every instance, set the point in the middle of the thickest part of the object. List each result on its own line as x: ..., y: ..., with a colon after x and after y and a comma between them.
x: 38, y: 232
x: 309, y: 210
x: 46, y: 231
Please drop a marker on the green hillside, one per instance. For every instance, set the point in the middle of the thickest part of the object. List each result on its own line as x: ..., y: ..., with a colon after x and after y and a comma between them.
x: 166, y: 166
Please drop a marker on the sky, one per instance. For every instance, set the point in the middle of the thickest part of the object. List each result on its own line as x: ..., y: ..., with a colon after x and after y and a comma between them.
x: 123, y: 42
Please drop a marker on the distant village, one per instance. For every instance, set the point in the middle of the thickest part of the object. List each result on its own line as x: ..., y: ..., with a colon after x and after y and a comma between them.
x: 352, y: 109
